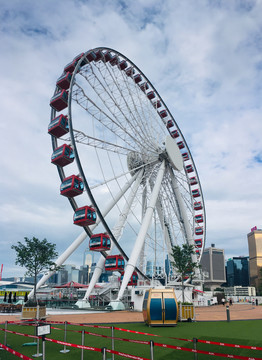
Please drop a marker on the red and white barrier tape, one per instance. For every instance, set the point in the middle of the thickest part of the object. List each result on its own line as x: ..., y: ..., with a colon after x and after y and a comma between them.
x: 207, y: 352
x: 24, y: 357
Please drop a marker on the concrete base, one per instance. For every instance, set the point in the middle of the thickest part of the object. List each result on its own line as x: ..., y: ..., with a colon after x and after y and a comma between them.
x: 115, y: 305
x: 83, y: 304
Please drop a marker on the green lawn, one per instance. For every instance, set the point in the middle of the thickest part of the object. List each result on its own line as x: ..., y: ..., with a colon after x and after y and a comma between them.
x: 234, y: 332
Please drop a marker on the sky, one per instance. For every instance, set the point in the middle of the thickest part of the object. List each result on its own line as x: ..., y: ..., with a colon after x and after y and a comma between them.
x: 205, y: 59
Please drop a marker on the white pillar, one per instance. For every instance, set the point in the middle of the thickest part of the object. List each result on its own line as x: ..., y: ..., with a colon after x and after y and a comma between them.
x: 142, y: 232
x: 78, y: 241
x: 117, y: 232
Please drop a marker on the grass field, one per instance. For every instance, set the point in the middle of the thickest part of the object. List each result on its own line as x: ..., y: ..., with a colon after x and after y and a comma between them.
x: 234, y: 332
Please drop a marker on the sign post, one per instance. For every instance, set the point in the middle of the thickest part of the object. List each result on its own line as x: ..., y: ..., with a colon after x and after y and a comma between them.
x: 43, y: 330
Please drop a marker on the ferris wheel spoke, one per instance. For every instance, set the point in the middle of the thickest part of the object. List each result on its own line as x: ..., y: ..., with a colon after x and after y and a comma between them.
x: 121, y: 96
x: 120, y: 119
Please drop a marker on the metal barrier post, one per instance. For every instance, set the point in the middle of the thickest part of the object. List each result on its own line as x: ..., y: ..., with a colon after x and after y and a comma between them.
x: 113, y: 342
x: 228, y: 313
x: 65, y: 350
x: 43, y: 344
x: 37, y: 349
x: 195, y: 348
x: 82, y: 343
x: 5, y: 341
x: 103, y: 351
x: 151, y: 350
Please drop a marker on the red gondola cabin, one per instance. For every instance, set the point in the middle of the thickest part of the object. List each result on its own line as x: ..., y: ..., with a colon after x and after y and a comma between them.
x: 199, y: 230
x: 180, y: 144
x: 193, y: 180
x: 59, y: 101
x: 58, y: 126
x: 63, y: 155
x: 107, y: 56
x: 144, y: 86
x: 185, y: 156
x: 85, y: 216
x: 99, y: 242
x: 63, y: 82
x: 198, y: 243
x: 198, y: 205
x: 133, y: 280
x: 71, y: 66
x: 130, y: 71
x: 199, y: 218
x: 156, y: 104
x: 114, y: 61
x: 99, y: 55
x: 163, y: 113
x: 189, y: 168
x: 151, y: 95
x: 114, y: 263
x: 174, y: 134
x: 195, y: 193
x: 72, y: 186
x: 137, y: 78
x: 122, y: 65
x: 169, y: 124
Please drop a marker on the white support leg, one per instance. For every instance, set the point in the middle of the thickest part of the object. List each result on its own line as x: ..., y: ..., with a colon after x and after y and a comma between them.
x: 117, y: 232
x: 142, y: 233
x: 78, y: 241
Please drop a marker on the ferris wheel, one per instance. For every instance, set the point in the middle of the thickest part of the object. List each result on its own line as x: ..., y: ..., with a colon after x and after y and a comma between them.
x: 125, y: 167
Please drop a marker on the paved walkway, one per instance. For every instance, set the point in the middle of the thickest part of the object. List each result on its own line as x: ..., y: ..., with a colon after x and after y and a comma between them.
x: 210, y: 313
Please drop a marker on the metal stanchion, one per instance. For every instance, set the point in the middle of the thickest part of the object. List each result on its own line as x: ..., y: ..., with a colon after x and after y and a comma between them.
x: 82, y: 343
x: 4, y: 336
x: 43, y: 344
x: 103, y: 351
x: 151, y: 350
x: 113, y: 342
x: 228, y: 313
x: 5, y: 341
x: 65, y: 350
x: 195, y: 347
x: 37, y: 349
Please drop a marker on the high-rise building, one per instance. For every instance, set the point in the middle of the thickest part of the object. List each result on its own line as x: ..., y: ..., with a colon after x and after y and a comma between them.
x: 213, y: 266
x: 255, y: 256
x: 237, y: 271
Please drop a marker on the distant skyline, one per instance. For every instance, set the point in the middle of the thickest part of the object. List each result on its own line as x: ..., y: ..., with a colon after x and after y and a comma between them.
x: 205, y: 59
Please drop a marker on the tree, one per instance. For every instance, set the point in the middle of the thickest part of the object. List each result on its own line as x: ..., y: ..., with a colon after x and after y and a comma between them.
x: 36, y: 256
x: 183, y: 263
